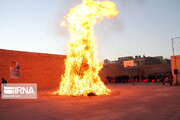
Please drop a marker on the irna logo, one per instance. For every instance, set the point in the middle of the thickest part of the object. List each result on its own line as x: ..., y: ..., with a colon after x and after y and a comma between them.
x: 19, y: 91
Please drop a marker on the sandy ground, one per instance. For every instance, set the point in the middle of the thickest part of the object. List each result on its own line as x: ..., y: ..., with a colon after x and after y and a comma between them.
x: 143, y: 101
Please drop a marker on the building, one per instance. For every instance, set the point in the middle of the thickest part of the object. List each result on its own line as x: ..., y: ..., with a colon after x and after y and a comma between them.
x: 166, y: 61
x: 122, y: 59
x: 106, y: 61
x: 142, y: 66
x: 139, y: 61
x: 160, y: 58
x: 152, y: 61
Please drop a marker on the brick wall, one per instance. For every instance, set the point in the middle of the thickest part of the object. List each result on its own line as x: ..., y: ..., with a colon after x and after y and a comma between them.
x: 43, y: 69
x: 158, y: 68
x: 114, y: 70
x: 110, y: 70
x: 177, y: 67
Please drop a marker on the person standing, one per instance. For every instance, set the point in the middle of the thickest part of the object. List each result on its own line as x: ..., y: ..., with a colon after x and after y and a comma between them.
x: 166, y: 80
x: 171, y: 79
x: 4, y: 82
x: 163, y: 79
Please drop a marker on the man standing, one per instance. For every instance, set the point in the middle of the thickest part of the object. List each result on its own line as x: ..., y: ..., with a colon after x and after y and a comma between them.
x: 4, y: 82
x: 171, y: 79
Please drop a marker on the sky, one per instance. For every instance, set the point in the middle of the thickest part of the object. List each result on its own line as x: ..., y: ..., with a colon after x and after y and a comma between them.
x: 143, y: 27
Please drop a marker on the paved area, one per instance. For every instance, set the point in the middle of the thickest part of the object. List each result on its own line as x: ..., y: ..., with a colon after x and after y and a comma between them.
x: 143, y: 101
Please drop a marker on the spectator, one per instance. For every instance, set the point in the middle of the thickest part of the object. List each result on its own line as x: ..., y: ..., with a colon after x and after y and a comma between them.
x: 4, y: 82
x: 163, y: 79
x: 171, y: 79
x: 166, y: 80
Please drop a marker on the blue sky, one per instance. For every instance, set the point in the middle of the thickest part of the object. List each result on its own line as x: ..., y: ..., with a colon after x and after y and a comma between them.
x: 143, y: 27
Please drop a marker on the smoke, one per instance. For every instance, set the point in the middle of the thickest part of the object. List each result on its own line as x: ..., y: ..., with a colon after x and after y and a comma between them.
x: 60, y: 30
x: 107, y: 29
x: 110, y: 27
x: 130, y: 4
x: 116, y: 25
x: 135, y: 2
x: 64, y: 10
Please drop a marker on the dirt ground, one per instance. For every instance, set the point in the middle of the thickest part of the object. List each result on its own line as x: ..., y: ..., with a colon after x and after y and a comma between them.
x: 143, y: 101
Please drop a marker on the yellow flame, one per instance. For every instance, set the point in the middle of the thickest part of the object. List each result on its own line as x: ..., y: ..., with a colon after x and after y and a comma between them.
x: 82, y: 65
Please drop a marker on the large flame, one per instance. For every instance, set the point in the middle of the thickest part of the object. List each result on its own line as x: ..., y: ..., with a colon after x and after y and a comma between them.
x: 82, y: 65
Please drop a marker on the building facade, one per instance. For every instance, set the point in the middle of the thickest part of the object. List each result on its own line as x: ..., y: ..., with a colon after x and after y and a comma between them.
x: 142, y: 66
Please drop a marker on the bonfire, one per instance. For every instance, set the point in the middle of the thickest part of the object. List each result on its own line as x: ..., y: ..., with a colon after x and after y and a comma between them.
x: 82, y: 64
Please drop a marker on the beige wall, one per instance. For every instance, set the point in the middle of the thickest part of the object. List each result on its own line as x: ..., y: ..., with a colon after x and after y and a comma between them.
x: 177, y: 58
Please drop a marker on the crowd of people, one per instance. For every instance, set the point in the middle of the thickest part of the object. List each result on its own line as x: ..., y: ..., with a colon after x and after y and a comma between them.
x: 164, y: 78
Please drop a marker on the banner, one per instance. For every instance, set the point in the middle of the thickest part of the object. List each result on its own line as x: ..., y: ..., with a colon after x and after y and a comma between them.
x: 129, y: 63
x: 14, y: 70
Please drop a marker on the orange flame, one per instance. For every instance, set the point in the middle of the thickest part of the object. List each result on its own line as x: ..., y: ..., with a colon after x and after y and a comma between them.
x: 82, y: 65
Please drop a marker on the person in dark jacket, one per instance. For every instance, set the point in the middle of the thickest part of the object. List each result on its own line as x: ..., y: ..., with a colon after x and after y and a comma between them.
x: 4, y: 82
